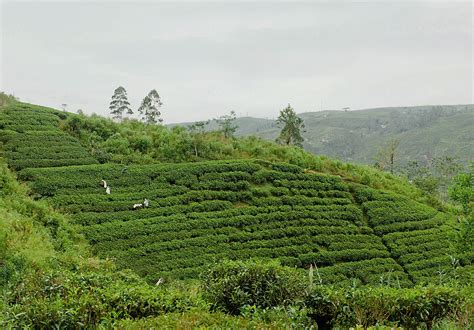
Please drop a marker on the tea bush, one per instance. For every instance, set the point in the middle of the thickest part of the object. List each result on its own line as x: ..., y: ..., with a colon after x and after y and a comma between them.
x: 32, y: 138
x: 224, y: 209
x: 408, y: 308
x: 232, y: 285
x: 85, y: 298
x: 416, y: 234
x: 203, y: 212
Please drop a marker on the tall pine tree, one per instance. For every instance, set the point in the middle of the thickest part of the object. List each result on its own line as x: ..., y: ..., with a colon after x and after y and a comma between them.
x: 150, y: 108
x: 292, y: 126
x: 119, y: 104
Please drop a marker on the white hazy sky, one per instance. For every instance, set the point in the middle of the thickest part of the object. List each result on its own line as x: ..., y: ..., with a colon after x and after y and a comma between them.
x: 207, y: 58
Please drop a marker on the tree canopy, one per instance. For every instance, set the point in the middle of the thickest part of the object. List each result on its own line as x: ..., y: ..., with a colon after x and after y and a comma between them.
x: 227, y: 124
x: 292, y: 126
x: 150, y: 108
x: 119, y: 104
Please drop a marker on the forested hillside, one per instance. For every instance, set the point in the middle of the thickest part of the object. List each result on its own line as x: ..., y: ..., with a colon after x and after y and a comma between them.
x: 425, y: 132
x: 173, y: 204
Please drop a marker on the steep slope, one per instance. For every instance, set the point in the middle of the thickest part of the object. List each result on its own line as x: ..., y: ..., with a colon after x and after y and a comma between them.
x: 49, y: 280
x: 32, y: 138
x: 200, y: 213
x: 416, y: 235
x: 205, y: 211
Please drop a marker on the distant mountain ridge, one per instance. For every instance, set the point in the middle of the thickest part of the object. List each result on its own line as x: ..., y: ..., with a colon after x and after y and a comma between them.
x: 424, y: 132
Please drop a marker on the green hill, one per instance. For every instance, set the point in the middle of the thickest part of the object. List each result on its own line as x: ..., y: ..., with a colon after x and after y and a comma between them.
x: 424, y: 132
x: 32, y: 138
x: 204, y: 212
x: 236, y: 209
x: 327, y: 239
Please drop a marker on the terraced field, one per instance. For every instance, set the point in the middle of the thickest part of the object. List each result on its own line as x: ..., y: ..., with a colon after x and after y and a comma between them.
x: 203, y: 212
x: 416, y: 235
x: 32, y: 138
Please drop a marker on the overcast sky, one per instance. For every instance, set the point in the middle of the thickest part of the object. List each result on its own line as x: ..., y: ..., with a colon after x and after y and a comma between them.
x: 206, y: 58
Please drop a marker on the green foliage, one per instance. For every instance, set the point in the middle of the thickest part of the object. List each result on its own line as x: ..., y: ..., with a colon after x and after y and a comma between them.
x: 89, y: 297
x: 48, y: 279
x: 251, y: 318
x: 119, y: 104
x: 304, y: 212
x: 181, y: 145
x: 436, y: 177
x: 291, y: 127
x: 227, y: 124
x: 32, y: 138
x: 23, y: 216
x: 417, y: 235
x: 6, y: 99
x: 408, y: 308
x: 425, y: 132
x: 116, y: 144
x: 224, y: 209
x: 203, y: 212
x: 149, y: 110
x: 230, y: 286
x: 462, y: 192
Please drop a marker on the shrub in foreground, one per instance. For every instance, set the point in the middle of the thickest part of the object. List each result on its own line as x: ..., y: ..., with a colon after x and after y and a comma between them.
x: 409, y: 308
x: 252, y: 318
x: 87, y: 298
x: 232, y: 285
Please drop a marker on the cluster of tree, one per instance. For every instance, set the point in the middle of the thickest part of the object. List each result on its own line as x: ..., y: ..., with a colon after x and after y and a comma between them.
x: 291, y: 127
x: 246, y: 288
x: 434, y: 177
x: 149, y: 110
x: 288, y: 121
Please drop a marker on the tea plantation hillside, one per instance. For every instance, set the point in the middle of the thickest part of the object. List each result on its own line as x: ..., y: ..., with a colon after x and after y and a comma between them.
x: 202, y: 212
x: 332, y: 245
x: 206, y: 211
x: 32, y: 138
